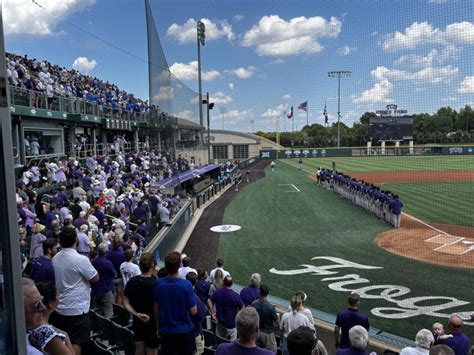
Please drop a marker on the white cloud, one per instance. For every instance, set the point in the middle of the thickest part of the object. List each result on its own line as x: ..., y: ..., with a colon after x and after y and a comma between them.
x: 219, y: 98
x: 286, y: 97
x: 378, y: 93
x: 189, y: 71
x: 187, y: 115
x: 234, y: 117
x: 165, y: 93
x: 346, y: 50
x: 437, y: 1
x: 432, y: 75
x: 84, y: 65
x: 275, y: 112
x: 239, y: 18
x: 243, y: 73
x: 186, y: 33
x: 22, y: 17
x: 231, y: 86
x: 467, y: 85
x: 273, y: 36
x: 423, y: 33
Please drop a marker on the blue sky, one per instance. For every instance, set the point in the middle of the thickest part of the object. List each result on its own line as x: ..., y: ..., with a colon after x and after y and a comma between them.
x: 262, y: 57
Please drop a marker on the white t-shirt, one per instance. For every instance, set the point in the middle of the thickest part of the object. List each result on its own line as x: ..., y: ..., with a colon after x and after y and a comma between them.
x: 184, y: 270
x: 73, y: 272
x: 213, y: 272
x: 291, y: 321
x: 128, y: 270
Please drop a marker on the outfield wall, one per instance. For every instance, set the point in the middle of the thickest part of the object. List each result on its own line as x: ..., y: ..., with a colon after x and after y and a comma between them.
x: 365, y: 151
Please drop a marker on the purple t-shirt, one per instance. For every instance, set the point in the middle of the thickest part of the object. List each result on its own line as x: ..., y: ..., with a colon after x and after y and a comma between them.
x: 236, y: 349
x: 348, y: 318
x: 249, y: 294
x: 228, y: 303
x: 459, y: 343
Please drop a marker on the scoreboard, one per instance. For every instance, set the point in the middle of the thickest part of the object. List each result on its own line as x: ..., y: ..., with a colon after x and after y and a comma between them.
x: 390, y: 128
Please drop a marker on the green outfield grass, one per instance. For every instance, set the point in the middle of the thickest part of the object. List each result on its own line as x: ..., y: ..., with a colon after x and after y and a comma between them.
x: 449, y: 203
x: 395, y: 163
x: 284, y: 229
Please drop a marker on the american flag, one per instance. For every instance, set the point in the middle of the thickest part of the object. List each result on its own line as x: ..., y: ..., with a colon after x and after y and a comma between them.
x: 325, y: 114
x: 303, y: 106
x: 290, y: 114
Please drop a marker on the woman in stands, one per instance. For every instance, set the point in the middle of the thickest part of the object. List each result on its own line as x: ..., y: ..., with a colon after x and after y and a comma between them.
x: 218, y: 281
x: 138, y: 300
x: 46, y: 338
x: 293, y: 320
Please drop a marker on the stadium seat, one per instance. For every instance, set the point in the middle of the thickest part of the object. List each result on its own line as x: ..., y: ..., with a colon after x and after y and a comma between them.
x: 121, y: 316
x: 209, y: 351
x: 99, y: 349
x: 106, y: 326
x: 96, y: 331
x: 126, y: 339
x: 220, y: 340
x: 209, y: 339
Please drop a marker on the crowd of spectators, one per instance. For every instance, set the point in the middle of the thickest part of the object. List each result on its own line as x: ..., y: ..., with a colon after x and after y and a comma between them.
x: 53, y: 80
x: 169, y: 310
x: 383, y: 204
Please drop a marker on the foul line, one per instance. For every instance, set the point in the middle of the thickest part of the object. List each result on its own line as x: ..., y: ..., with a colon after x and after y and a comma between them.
x: 426, y: 224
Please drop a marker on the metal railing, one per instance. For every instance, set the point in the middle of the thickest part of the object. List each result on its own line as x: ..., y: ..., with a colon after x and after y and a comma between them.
x: 67, y: 104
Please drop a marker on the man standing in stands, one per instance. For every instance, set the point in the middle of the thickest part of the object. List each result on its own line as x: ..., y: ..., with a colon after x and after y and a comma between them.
x: 348, y: 318
x: 186, y: 268
x: 74, y: 273
x: 227, y: 303
x: 268, y: 320
x: 42, y: 269
x: 459, y: 342
x: 103, y: 291
x: 251, y: 292
x: 175, y: 303
x: 247, y: 328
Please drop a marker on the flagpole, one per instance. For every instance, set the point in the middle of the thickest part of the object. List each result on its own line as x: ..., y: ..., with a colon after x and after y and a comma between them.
x: 292, y: 124
x: 307, y: 114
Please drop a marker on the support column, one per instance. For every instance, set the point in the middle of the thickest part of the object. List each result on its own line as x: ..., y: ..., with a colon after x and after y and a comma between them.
x: 72, y: 139
x: 135, y: 141
x: 411, y: 149
x: 397, y: 147
x: 94, y: 141
x: 369, y: 147
x: 383, y: 148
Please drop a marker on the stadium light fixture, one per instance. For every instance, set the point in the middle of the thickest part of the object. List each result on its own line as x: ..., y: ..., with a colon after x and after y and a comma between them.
x: 339, y: 74
x: 201, y: 40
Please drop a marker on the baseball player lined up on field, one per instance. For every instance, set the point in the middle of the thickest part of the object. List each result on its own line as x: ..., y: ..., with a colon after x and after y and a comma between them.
x: 384, y: 204
x: 300, y: 164
x: 272, y: 164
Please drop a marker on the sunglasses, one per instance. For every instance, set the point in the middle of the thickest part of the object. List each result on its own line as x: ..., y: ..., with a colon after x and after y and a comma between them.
x: 39, y: 305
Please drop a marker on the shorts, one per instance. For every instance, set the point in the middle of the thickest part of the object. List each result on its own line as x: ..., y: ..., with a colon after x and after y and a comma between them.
x: 145, y: 332
x: 178, y: 344
x: 77, y: 327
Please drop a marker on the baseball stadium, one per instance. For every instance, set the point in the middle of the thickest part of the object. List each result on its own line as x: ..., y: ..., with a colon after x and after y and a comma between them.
x: 233, y: 200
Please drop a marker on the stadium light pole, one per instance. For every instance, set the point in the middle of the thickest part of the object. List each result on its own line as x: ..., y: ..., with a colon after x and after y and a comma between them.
x: 210, y: 106
x: 223, y: 111
x: 339, y: 74
x: 201, y: 40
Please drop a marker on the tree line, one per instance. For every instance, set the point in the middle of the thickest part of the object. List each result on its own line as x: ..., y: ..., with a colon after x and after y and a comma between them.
x: 445, y: 126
